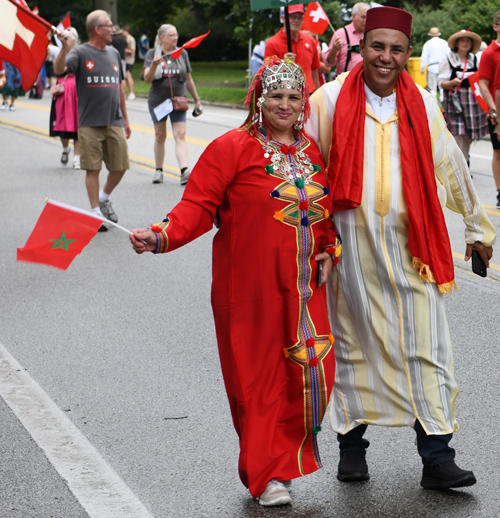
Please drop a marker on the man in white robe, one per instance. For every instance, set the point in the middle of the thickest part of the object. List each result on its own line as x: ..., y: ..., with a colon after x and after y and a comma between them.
x: 393, y: 350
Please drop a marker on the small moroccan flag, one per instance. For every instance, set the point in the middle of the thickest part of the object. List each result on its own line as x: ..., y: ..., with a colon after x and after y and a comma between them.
x: 191, y: 44
x: 60, y: 234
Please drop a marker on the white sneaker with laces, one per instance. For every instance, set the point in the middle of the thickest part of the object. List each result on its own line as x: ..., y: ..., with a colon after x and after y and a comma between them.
x: 275, y: 494
x: 108, y: 211
x: 158, y: 177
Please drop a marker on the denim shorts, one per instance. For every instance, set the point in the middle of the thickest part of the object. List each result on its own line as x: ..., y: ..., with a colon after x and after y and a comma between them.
x: 175, y: 116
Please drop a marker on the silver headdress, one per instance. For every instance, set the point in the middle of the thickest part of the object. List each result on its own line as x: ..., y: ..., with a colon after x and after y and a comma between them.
x: 275, y: 77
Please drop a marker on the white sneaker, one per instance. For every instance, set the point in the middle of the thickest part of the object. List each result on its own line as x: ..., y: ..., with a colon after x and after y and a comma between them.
x: 4, y: 105
x: 131, y: 97
x: 108, y: 211
x: 158, y: 177
x: 76, y: 164
x: 12, y: 108
x: 275, y: 494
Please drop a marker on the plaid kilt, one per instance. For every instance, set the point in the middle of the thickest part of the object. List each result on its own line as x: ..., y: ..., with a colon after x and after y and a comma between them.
x: 472, y: 122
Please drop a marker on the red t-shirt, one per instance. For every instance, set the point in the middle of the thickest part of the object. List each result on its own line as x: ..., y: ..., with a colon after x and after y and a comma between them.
x: 488, y: 66
x: 305, y: 50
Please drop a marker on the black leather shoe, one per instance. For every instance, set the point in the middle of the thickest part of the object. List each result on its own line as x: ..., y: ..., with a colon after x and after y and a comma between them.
x: 353, y: 467
x: 446, y: 476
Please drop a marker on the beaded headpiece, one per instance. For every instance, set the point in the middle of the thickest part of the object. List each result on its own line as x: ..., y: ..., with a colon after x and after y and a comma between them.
x: 275, y: 76
x: 276, y: 73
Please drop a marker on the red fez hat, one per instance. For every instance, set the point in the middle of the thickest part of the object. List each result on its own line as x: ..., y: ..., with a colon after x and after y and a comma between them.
x: 388, y: 18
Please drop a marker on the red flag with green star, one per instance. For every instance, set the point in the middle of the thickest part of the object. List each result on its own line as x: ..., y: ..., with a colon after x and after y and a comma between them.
x: 60, y: 234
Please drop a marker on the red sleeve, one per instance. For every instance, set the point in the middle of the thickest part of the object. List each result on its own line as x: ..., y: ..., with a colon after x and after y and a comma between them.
x: 194, y: 215
x: 316, y: 62
x: 485, y: 66
x: 495, y: 73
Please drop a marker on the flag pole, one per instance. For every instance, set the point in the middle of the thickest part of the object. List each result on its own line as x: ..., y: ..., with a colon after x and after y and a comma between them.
x: 87, y: 213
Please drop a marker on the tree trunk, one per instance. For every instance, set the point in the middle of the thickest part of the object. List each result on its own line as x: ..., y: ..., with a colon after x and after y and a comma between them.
x: 110, y: 6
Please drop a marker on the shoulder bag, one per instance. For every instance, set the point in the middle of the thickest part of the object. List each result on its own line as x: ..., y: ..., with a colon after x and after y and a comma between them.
x: 180, y: 103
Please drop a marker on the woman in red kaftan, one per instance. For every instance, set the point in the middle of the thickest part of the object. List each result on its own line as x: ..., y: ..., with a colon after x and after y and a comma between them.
x: 265, y: 184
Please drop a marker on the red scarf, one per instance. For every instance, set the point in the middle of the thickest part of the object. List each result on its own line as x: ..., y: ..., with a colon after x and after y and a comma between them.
x: 427, y: 234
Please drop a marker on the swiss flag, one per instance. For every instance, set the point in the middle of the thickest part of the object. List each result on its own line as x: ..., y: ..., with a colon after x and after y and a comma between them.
x: 315, y: 19
x: 63, y: 24
x: 474, y: 84
x: 23, y: 40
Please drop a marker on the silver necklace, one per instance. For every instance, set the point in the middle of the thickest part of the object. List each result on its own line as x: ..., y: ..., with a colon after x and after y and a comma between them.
x: 282, y: 157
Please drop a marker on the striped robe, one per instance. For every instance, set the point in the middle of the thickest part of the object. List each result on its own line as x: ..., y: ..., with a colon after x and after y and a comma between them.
x: 394, y: 361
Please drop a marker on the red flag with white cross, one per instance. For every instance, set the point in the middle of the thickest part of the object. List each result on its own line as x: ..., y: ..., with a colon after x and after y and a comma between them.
x: 474, y: 84
x: 24, y: 38
x: 315, y: 19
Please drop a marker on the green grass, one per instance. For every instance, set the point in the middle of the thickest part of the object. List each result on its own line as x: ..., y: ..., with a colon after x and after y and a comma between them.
x: 223, y: 82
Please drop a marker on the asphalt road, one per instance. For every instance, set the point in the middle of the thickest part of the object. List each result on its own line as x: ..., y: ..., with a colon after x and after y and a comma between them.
x: 112, y: 402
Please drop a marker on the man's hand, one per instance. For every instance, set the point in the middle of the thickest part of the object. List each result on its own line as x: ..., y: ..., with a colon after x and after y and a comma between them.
x: 63, y: 37
x: 493, y: 117
x: 485, y: 252
x: 327, y: 265
x: 337, y: 44
x: 128, y: 129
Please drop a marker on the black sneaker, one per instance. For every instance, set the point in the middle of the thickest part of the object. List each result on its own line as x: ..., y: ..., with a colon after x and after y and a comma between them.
x: 64, y: 157
x: 498, y: 199
x: 103, y: 227
x: 353, y: 466
x: 446, y: 475
x: 184, y: 176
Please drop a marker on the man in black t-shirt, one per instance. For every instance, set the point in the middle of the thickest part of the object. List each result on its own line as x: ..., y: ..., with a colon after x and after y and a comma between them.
x: 103, y: 125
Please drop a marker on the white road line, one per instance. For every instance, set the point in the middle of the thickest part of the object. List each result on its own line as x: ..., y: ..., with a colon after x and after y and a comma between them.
x: 99, y: 489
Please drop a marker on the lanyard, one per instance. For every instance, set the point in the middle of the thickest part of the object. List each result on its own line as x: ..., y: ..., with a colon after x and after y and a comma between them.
x: 463, y: 74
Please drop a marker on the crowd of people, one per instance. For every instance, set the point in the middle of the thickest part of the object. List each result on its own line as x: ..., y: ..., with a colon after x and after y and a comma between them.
x: 446, y: 63
x: 341, y: 283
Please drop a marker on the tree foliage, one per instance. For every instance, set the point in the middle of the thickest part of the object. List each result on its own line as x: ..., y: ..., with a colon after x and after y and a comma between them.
x: 233, y: 24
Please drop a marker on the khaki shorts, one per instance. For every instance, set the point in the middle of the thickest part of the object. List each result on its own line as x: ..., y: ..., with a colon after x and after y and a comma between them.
x: 106, y: 143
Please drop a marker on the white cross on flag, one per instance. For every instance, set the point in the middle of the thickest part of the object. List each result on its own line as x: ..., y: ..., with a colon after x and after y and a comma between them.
x: 315, y: 19
x: 474, y: 84
x: 23, y: 40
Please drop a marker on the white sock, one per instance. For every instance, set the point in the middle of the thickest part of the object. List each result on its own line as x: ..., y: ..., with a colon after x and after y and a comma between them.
x: 96, y: 211
x: 103, y: 196
x: 66, y: 149
x: 76, y: 159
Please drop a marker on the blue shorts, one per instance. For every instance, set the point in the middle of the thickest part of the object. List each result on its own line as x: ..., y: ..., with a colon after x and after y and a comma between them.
x: 175, y: 116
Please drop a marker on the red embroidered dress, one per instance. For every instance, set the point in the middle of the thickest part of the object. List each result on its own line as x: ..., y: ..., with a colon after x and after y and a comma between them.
x: 271, y: 318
